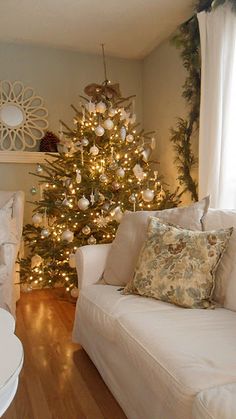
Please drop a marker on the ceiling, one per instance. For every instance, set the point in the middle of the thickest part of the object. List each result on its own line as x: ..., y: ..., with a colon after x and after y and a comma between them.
x: 129, y: 28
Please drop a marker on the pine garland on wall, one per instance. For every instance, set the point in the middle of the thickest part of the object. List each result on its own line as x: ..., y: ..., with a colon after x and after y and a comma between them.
x: 187, y: 40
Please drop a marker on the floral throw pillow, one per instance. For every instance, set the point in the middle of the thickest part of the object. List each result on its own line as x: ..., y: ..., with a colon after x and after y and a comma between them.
x: 177, y: 265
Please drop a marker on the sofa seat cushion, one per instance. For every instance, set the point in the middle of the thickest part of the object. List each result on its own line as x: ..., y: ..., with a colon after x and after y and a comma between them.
x: 216, y: 403
x: 103, y: 304
x: 181, y: 351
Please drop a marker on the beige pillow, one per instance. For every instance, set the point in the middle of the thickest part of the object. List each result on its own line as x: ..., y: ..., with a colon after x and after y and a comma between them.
x: 131, y: 234
x: 177, y: 265
x: 225, y: 290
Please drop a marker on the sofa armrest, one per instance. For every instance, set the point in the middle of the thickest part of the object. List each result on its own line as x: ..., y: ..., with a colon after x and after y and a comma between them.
x: 90, y: 263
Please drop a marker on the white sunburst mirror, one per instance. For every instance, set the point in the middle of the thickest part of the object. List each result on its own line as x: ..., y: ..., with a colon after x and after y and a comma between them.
x: 23, y: 118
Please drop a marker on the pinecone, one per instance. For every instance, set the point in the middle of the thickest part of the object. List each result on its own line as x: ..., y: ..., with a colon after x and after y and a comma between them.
x: 49, y: 142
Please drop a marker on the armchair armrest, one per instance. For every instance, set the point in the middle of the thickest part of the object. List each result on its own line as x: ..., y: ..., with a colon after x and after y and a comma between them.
x: 90, y: 263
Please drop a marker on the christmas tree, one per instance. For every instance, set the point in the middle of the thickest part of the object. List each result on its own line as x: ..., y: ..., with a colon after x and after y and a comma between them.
x: 102, y: 169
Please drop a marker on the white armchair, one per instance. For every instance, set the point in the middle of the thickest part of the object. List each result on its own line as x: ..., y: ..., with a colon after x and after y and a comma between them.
x: 90, y: 263
x: 9, y: 277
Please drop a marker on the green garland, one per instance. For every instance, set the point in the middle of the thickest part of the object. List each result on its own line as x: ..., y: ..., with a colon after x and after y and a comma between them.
x: 187, y: 40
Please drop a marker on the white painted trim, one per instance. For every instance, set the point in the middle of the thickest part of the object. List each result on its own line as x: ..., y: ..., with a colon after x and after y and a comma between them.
x: 23, y: 157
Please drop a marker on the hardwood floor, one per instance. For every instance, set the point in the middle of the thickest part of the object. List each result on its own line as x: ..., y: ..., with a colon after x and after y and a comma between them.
x: 58, y: 380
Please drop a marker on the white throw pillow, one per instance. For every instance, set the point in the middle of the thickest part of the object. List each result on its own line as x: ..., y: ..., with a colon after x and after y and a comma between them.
x: 225, y: 289
x: 130, y: 236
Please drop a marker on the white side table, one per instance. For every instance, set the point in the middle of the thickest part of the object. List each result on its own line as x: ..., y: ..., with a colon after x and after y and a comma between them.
x: 11, y: 360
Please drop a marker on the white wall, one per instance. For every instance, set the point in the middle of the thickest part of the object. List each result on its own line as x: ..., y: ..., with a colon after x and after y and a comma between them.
x: 59, y: 76
x: 163, y: 77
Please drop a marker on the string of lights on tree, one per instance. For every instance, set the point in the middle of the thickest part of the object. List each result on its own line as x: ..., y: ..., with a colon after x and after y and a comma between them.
x: 104, y: 167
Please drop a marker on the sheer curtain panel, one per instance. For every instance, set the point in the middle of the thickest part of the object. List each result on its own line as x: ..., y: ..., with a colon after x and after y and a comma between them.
x: 217, y: 143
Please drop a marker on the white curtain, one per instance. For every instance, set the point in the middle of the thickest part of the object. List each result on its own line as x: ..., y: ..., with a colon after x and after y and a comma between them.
x: 217, y: 144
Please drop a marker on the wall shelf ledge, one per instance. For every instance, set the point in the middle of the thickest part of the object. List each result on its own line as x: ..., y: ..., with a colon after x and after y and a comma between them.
x: 24, y: 157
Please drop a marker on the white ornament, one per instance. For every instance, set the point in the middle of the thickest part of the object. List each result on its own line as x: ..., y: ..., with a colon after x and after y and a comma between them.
x: 39, y: 169
x: 101, y: 107
x: 78, y: 176
x: 117, y: 214
x: 84, y: 142
x: 36, y: 261
x: 138, y: 172
x: 132, y: 198
x: 103, y: 178
x: 99, y: 131
x: 74, y: 292
x: 83, y: 203
x: 45, y: 232
x: 148, y: 195
x: 67, y: 235
x: 94, y: 150
x: 108, y: 124
x: 92, y: 240
x: 92, y: 198
x: 120, y: 172
x: 102, y: 221
x: 72, y: 260
x: 122, y: 133
x: 132, y: 119
x: 153, y: 143
x: 37, y: 218
x: 124, y: 114
x: 91, y: 107
x: 116, y: 186
x: 26, y: 287
x: 65, y: 202
x: 146, y: 154
x: 130, y: 138
x: 111, y: 112
x: 86, y: 230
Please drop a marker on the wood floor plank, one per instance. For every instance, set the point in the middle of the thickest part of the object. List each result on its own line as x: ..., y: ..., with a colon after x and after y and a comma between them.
x: 58, y: 380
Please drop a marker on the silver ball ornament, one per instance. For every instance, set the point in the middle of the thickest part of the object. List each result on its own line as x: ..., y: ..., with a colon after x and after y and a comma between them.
x: 130, y: 138
x: 92, y: 240
x: 74, y: 292
x: 99, y: 131
x: 113, y: 165
x: 67, y: 235
x: 148, y: 195
x: 84, y: 142
x: 26, y: 288
x: 45, y: 232
x: 132, y: 198
x: 120, y: 172
x: 39, y: 169
x: 37, y: 218
x: 101, y: 107
x: 86, y: 230
x: 111, y: 112
x: 108, y: 124
x: 83, y: 203
x: 94, y: 150
x: 116, y: 186
x: 103, y: 178
x: 33, y: 190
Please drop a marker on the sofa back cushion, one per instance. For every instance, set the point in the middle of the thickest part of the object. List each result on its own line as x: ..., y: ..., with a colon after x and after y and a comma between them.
x: 130, y: 236
x: 225, y: 289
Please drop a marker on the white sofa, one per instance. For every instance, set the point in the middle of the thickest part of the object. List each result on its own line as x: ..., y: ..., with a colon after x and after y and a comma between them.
x: 9, y: 275
x: 160, y: 361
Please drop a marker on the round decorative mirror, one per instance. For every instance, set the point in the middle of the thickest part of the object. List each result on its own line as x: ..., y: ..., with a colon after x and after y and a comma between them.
x: 11, y: 115
x: 23, y: 118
